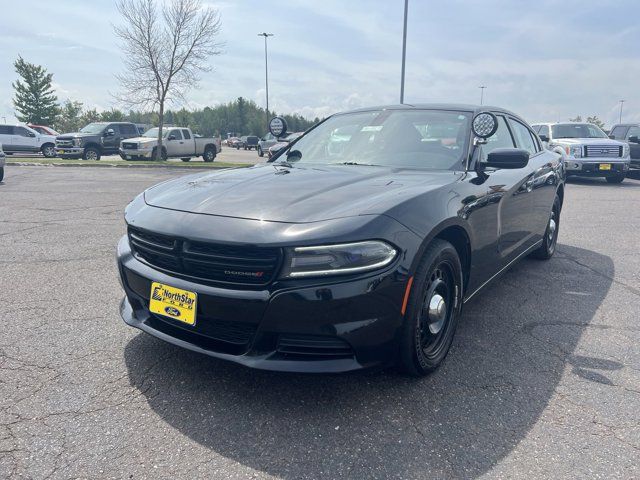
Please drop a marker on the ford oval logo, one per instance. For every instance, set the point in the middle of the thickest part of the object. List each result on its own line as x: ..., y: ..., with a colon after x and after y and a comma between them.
x: 174, y: 312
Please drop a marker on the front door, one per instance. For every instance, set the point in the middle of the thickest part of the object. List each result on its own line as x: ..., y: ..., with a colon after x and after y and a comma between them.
x: 24, y: 140
x: 111, y: 142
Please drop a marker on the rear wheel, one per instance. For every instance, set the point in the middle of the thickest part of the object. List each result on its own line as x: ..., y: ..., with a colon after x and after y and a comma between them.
x: 186, y: 159
x: 434, y: 305
x: 548, y: 247
x: 1, y: 173
x: 48, y: 150
x: 615, y: 179
x: 91, y: 153
x: 209, y: 154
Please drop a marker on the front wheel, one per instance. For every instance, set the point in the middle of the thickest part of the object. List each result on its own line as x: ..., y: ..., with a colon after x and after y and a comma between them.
x: 186, y: 159
x: 550, y: 239
x: 260, y: 152
x: 91, y: 154
x: 615, y: 179
x: 48, y: 150
x: 434, y: 305
x: 163, y: 154
x: 1, y: 173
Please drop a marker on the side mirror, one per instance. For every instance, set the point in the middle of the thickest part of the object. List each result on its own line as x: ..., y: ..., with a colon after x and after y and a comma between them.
x: 507, y: 158
x: 31, y: 134
x: 544, y: 138
x: 634, y: 139
x: 110, y: 132
x: 612, y: 137
x: 171, y: 137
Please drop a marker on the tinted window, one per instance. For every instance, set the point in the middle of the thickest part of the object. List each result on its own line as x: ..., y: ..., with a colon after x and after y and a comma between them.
x: 618, y: 132
x: 128, y: 129
x: 633, y: 132
x: 6, y: 129
x: 544, y: 130
x: 23, y: 132
x: 176, y: 133
x: 115, y: 128
x: 500, y: 139
x: 577, y: 130
x: 186, y: 134
x: 524, y: 139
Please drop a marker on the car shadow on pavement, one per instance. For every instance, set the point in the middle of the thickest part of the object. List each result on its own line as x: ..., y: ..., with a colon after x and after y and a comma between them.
x: 514, y: 343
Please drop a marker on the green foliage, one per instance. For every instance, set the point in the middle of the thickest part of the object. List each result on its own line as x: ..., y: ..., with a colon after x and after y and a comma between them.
x: 34, y: 99
x: 70, y: 118
x: 596, y: 121
x: 577, y: 119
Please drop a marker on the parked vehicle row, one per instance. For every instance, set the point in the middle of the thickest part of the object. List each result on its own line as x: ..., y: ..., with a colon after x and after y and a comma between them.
x: 95, y: 140
x: 630, y: 133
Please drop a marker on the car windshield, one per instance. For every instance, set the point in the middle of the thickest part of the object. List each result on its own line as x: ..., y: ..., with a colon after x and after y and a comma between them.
x: 153, y: 133
x: 577, y: 130
x: 435, y: 139
x: 93, y: 128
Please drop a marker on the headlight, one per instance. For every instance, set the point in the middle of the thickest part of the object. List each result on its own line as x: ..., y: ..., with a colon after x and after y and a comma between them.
x: 77, y: 142
x: 338, y: 259
x: 575, y: 151
x: 625, y: 150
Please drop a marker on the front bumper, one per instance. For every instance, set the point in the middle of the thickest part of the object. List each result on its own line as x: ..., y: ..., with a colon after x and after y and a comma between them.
x: 138, y: 153
x: 69, y: 151
x: 326, y: 326
x: 593, y: 167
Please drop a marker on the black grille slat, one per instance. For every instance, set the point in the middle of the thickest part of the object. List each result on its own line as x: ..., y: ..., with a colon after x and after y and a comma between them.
x: 311, y: 346
x: 131, y: 146
x: 206, y: 262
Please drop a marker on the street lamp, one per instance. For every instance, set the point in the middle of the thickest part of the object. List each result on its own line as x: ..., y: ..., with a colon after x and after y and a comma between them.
x: 404, y: 50
x: 621, y: 105
x: 482, y: 87
x: 266, y: 69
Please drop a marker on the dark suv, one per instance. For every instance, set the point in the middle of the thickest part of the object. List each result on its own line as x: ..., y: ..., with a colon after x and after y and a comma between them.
x: 629, y: 132
x: 95, y: 140
x: 248, y: 142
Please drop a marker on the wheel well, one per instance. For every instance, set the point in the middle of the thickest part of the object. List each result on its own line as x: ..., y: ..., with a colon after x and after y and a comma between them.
x: 210, y: 146
x: 93, y: 145
x: 457, y: 236
x: 46, y: 144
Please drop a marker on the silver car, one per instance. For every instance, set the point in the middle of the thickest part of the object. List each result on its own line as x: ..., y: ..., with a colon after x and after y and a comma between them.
x: 266, y: 143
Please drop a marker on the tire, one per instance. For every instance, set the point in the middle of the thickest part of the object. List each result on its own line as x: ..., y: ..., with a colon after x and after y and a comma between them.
x: 1, y: 173
x: 260, y: 152
x: 550, y: 239
x: 163, y: 154
x: 238, y: 147
x: 615, y: 179
x: 91, y: 153
x: 434, y: 306
x: 48, y: 150
x: 186, y: 159
x: 209, y: 154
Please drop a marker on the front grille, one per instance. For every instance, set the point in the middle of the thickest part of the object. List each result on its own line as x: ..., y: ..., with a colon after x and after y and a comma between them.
x: 129, y: 145
x: 210, y: 262
x: 64, y: 143
x: 313, y: 346
x: 603, y: 151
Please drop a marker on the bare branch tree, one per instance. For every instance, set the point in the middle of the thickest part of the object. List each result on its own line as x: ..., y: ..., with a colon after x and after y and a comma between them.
x: 165, y: 53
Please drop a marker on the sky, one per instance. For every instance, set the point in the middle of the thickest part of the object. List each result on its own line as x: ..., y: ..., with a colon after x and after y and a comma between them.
x: 547, y: 60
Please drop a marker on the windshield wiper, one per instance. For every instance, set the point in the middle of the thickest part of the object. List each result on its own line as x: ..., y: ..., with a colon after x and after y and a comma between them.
x: 354, y: 163
x: 284, y: 163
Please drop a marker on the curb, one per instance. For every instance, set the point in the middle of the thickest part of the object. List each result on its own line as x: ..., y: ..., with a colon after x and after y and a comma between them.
x: 107, y: 165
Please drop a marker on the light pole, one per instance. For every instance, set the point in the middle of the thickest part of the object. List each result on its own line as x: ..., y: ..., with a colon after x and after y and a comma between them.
x: 404, y: 50
x: 482, y: 87
x: 621, y: 105
x: 266, y: 69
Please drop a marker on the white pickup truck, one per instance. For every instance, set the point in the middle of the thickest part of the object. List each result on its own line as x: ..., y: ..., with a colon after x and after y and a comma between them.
x: 178, y: 142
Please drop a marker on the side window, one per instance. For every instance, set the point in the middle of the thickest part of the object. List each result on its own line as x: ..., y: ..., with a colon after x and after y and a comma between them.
x: 115, y: 129
x: 6, y: 130
x: 23, y: 132
x: 176, y: 133
x: 500, y: 139
x: 524, y: 139
x: 618, y: 132
x: 544, y: 130
x: 128, y: 129
x: 633, y: 132
x: 186, y: 134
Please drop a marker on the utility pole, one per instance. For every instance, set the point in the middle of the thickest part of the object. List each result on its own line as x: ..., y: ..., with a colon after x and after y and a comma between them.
x: 266, y: 69
x: 404, y: 50
x: 482, y: 87
x: 621, y: 105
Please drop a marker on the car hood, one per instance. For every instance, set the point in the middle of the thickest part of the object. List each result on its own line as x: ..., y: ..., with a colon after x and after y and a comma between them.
x: 141, y: 139
x: 588, y: 141
x: 69, y: 136
x: 296, y: 195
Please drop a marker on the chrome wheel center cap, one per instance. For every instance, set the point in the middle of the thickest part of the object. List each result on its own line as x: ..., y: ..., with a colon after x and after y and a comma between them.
x: 437, y: 313
x: 552, y: 226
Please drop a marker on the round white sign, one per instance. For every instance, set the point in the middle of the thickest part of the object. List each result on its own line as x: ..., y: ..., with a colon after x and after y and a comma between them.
x: 277, y: 126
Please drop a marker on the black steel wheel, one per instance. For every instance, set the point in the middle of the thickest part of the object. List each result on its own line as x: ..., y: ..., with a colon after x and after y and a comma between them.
x: 209, y: 154
x: 550, y: 239
x: 434, y: 305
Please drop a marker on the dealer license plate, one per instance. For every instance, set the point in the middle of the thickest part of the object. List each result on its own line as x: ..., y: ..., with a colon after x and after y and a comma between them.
x: 173, y: 302
x: 605, y: 166
x: 60, y: 152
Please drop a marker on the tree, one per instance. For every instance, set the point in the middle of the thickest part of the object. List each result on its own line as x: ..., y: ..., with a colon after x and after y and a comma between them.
x: 596, y: 121
x: 69, y: 117
x: 165, y: 54
x: 577, y: 119
x: 34, y: 100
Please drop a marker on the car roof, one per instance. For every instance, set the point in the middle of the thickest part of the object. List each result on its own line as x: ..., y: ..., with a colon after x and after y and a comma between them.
x: 626, y: 125
x: 435, y: 106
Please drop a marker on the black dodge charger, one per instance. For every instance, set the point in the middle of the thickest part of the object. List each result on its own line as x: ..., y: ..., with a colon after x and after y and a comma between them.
x: 357, y: 246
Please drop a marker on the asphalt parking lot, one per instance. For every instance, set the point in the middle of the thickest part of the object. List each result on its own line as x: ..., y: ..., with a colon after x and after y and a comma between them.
x: 543, y: 380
